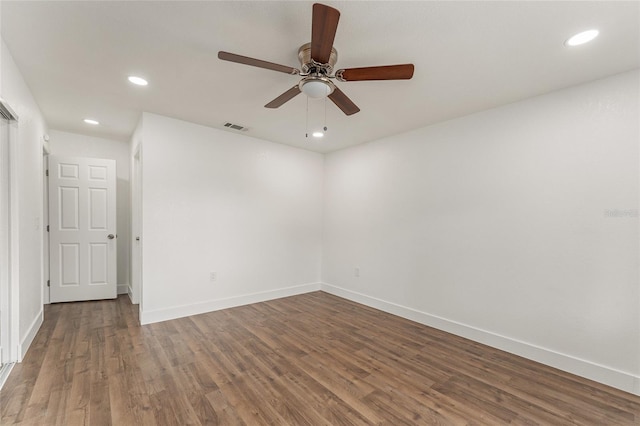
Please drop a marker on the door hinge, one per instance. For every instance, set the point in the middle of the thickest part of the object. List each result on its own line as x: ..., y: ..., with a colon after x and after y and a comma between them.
x: 48, y: 283
x: 47, y: 173
x: 47, y: 228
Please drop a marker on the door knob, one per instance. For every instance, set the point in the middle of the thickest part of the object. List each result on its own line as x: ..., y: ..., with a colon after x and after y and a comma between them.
x: 111, y: 236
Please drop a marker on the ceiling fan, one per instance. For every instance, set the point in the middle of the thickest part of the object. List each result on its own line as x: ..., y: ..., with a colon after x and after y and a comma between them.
x: 317, y: 60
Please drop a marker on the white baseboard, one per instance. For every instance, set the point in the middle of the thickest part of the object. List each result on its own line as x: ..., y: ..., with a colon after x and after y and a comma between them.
x: 130, y: 293
x: 30, y: 335
x: 123, y: 288
x: 148, y: 317
x: 625, y: 381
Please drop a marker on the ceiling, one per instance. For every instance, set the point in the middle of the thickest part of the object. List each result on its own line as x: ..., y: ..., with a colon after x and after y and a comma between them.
x: 468, y: 56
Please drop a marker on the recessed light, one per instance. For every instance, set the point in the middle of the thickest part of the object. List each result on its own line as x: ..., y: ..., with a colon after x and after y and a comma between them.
x: 91, y: 121
x: 582, y: 38
x: 317, y: 134
x: 138, y: 80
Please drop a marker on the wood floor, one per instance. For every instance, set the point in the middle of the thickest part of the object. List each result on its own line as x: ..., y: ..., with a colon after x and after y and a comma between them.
x: 313, y: 359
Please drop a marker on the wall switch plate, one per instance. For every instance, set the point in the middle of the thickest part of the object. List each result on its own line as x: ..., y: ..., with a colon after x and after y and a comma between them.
x: 213, y: 276
x: 356, y: 272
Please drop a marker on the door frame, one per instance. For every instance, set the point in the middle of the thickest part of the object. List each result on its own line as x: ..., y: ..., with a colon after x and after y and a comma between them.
x: 135, y: 292
x: 9, y: 286
x: 46, y: 151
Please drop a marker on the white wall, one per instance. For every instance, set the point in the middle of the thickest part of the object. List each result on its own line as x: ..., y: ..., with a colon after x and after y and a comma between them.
x: 214, y: 201
x: 515, y: 226
x: 31, y: 128
x: 75, y: 145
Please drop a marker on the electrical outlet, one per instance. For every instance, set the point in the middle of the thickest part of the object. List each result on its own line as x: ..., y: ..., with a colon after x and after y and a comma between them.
x: 356, y: 272
x: 213, y: 276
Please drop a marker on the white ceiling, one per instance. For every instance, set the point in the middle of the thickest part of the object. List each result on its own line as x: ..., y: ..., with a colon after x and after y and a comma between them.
x: 468, y: 56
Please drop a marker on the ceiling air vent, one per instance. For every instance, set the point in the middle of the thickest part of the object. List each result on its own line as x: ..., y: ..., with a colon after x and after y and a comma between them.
x: 236, y: 127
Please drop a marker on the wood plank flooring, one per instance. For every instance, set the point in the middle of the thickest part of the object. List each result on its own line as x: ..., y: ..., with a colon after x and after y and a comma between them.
x: 312, y: 359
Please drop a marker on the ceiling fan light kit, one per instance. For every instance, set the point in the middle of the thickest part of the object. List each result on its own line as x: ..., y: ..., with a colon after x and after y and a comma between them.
x: 316, y: 87
x: 317, y: 61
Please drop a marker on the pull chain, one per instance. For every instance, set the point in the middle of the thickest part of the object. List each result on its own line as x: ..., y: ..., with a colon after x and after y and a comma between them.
x: 306, y: 134
x: 325, y: 115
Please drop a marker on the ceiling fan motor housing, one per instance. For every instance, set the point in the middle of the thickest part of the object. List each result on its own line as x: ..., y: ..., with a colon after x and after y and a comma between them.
x: 309, y: 66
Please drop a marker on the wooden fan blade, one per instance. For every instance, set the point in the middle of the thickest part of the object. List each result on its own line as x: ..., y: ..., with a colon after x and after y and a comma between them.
x: 323, y: 32
x: 386, y: 72
x: 232, y: 57
x: 286, y: 96
x: 343, y: 102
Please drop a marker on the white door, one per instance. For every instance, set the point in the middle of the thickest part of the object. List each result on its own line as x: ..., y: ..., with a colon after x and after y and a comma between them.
x: 82, y: 218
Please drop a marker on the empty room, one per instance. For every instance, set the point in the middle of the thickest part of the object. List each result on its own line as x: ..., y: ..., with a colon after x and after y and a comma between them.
x: 337, y: 213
